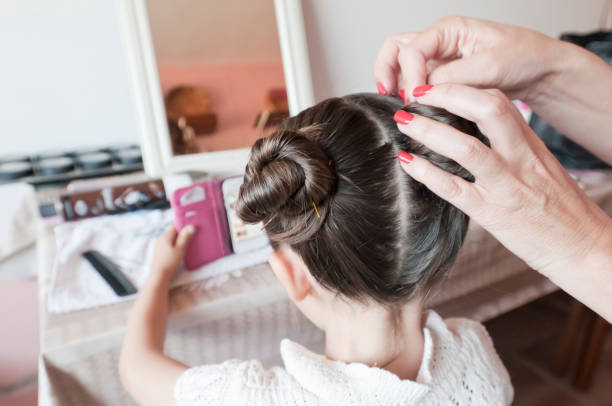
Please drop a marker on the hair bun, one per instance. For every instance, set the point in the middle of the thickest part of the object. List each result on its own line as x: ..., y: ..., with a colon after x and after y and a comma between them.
x: 286, y: 173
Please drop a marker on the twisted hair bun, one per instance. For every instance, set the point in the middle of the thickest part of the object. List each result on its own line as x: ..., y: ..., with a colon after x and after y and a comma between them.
x: 287, y: 172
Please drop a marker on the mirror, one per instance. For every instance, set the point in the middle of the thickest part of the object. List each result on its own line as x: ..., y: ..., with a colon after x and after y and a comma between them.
x: 221, y: 72
x: 211, y: 77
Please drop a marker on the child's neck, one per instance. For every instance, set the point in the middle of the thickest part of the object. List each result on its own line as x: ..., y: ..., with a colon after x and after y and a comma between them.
x: 370, y: 335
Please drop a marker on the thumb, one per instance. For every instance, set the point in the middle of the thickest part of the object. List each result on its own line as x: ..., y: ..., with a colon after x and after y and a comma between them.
x: 184, y: 237
x: 480, y: 70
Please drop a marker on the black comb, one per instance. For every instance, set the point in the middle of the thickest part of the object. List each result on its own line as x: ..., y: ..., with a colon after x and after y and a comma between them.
x: 111, y: 274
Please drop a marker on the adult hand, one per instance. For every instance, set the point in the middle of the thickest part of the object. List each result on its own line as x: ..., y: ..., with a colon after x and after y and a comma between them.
x: 568, y: 86
x: 469, y: 51
x: 521, y: 195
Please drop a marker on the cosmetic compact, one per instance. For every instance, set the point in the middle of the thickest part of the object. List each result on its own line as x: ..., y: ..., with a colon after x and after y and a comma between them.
x: 129, y: 156
x: 96, y: 160
x: 12, y: 170
x: 55, y: 165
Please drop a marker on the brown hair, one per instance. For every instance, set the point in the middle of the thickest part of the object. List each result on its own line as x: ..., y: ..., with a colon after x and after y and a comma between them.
x: 380, y: 234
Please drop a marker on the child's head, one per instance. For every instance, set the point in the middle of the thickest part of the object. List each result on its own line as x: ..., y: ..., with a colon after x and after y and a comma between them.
x: 328, y: 187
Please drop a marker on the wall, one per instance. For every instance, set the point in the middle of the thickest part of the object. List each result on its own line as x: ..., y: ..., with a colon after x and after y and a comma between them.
x: 187, y: 32
x: 63, y: 76
x: 64, y: 79
x: 344, y: 35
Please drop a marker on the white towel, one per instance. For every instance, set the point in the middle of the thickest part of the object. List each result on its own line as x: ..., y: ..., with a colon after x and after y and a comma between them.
x: 18, y: 219
x: 127, y: 240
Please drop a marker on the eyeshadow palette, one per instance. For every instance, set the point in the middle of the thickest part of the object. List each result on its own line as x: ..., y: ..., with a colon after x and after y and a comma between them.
x: 60, y: 166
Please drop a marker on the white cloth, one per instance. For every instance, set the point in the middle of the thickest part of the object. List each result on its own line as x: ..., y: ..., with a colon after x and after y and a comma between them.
x: 19, y: 218
x: 459, y: 367
x: 128, y: 241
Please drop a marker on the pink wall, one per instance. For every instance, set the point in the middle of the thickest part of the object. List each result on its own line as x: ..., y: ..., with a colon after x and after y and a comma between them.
x: 237, y: 94
x: 213, y: 31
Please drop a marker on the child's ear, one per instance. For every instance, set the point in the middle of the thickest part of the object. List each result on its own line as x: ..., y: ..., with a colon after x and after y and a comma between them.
x: 291, y: 274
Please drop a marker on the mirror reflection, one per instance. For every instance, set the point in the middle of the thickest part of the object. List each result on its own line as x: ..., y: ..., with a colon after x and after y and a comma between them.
x: 220, y: 71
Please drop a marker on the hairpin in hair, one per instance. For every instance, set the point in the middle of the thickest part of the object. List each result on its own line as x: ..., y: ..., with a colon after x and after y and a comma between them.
x: 316, y: 210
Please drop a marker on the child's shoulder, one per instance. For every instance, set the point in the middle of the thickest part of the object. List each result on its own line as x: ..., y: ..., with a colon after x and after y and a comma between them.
x: 234, y: 382
x: 462, y: 348
x: 459, y: 330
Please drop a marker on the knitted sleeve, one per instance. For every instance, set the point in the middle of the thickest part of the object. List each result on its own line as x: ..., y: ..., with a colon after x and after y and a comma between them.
x: 238, y: 382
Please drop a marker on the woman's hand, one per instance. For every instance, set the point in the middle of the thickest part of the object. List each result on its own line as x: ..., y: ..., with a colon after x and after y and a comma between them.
x: 522, y: 195
x: 469, y: 51
x: 169, y: 251
x: 568, y: 86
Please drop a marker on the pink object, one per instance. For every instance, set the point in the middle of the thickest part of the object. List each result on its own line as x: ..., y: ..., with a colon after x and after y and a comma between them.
x: 405, y: 157
x: 421, y: 91
x: 381, y: 89
x: 523, y: 106
x: 402, y: 117
x: 201, y: 205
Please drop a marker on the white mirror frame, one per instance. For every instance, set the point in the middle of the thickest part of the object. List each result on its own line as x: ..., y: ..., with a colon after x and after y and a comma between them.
x: 152, y: 123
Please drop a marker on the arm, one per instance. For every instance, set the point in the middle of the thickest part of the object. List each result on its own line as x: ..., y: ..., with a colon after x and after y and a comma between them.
x: 522, y: 195
x: 146, y: 372
x: 568, y: 86
x: 576, y: 98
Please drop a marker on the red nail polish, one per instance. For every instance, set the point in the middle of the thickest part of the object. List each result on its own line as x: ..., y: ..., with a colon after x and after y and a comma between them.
x: 381, y: 89
x: 405, y: 157
x: 401, y: 94
x: 402, y: 117
x: 421, y: 90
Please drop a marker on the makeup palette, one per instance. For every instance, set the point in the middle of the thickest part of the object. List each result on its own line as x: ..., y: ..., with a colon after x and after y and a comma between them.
x: 64, y: 166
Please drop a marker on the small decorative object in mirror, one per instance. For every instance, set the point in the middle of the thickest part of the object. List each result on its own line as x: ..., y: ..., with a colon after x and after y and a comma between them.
x: 188, y: 112
x: 277, y: 109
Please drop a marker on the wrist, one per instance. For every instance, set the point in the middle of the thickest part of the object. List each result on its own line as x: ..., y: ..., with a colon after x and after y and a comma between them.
x: 567, y: 69
x: 590, y: 253
x: 160, y: 276
x: 557, y: 64
x: 600, y: 256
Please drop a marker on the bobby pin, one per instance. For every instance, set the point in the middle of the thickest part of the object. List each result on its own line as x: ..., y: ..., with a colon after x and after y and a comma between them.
x: 316, y: 210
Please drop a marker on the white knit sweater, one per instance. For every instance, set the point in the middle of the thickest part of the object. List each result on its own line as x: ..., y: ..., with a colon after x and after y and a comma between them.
x: 460, y: 367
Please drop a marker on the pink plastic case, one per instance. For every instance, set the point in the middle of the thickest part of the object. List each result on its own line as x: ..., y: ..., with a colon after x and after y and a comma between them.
x: 201, y: 205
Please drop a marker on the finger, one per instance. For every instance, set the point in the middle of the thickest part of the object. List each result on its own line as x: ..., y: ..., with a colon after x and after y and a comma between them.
x: 170, y: 234
x: 457, y: 191
x: 412, y: 62
x: 386, y: 67
x: 490, y: 109
x: 438, y: 42
x: 184, y: 237
x: 468, y: 151
x: 479, y: 70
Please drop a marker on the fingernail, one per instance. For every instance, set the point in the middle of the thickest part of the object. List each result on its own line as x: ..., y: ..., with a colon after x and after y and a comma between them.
x: 421, y: 90
x: 381, y: 89
x: 402, y: 95
x: 405, y: 157
x: 189, y: 229
x: 402, y: 117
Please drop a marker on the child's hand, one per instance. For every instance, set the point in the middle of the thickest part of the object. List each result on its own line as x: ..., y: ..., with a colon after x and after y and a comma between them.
x: 169, y: 250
